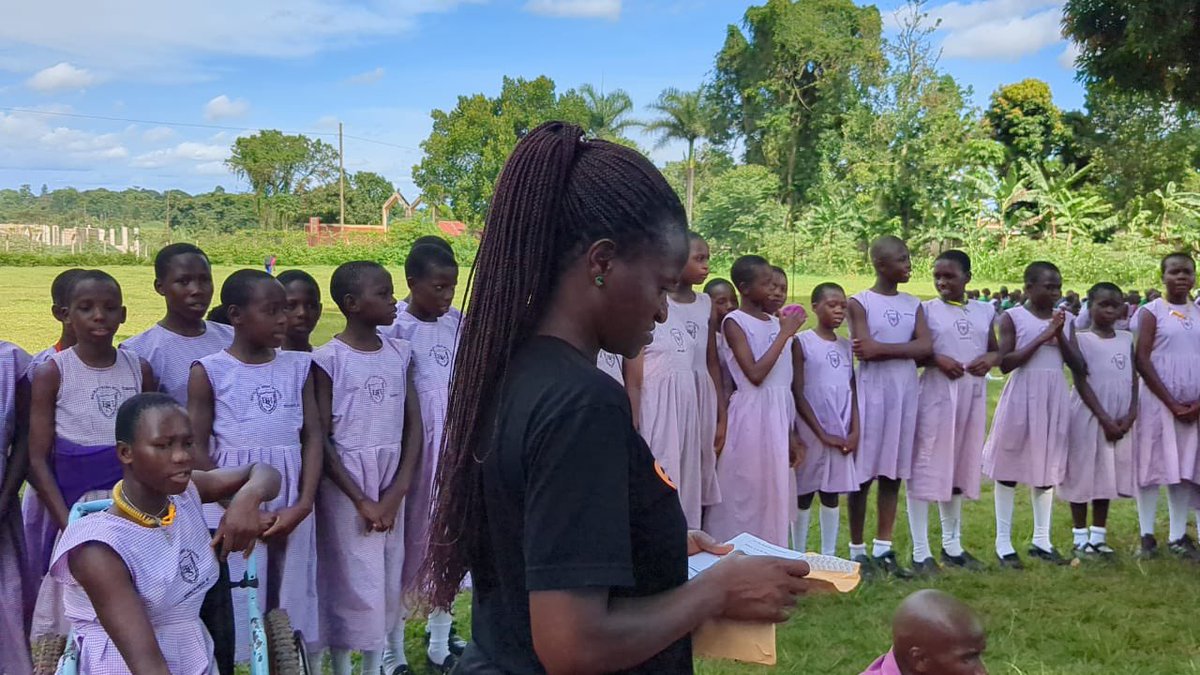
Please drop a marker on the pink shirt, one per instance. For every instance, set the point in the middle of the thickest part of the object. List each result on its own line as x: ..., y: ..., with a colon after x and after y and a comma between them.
x: 884, y: 665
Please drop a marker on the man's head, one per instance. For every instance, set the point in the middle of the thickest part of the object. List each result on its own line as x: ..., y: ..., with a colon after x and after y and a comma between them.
x: 934, y: 633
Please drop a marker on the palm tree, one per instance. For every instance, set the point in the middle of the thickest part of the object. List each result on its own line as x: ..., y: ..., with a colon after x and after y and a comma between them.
x: 684, y: 117
x: 607, y: 112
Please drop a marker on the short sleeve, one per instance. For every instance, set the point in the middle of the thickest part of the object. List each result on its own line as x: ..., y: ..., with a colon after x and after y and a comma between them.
x: 577, y: 517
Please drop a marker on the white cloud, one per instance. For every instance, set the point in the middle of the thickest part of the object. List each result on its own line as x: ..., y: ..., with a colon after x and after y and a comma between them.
x: 203, y: 154
x: 998, y: 29
x: 157, y: 134
x: 576, y: 9
x: 61, y: 76
x: 1068, y: 56
x: 222, y: 107
x: 31, y: 142
x: 369, y: 77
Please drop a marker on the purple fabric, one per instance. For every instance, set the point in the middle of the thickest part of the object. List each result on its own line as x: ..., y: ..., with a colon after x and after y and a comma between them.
x: 884, y: 665
x: 81, y: 468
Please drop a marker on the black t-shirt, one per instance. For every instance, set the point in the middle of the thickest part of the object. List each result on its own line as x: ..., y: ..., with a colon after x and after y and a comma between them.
x: 572, y: 499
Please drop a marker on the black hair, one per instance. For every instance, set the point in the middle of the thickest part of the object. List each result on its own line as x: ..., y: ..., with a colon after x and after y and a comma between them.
x: 779, y: 270
x: 886, y: 244
x: 818, y: 293
x: 714, y: 284
x: 219, y: 314
x: 303, y: 277
x: 556, y: 196
x: 60, y: 288
x: 695, y: 236
x: 956, y: 256
x: 1037, y: 268
x: 162, y: 260
x: 745, y: 269
x: 432, y: 240
x: 348, y: 278
x: 90, y: 275
x: 131, y: 411
x: 425, y: 257
x: 239, y: 287
x: 1105, y: 287
x: 1177, y: 255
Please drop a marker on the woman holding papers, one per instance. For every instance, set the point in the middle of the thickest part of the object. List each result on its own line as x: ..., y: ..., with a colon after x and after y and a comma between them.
x: 574, y: 537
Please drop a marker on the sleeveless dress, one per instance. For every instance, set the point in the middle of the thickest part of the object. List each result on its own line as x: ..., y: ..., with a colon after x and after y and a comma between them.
x: 258, y: 415
x: 952, y: 414
x: 361, y: 599
x: 670, y: 409
x: 753, y: 471
x: 612, y: 365
x: 434, y: 345
x: 171, y: 567
x: 171, y: 355
x: 1028, y: 443
x: 16, y: 588
x: 84, y: 454
x: 1165, y: 451
x: 697, y: 318
x: 828, y: 368
x: 1096, y: 468
x: 887, y: 391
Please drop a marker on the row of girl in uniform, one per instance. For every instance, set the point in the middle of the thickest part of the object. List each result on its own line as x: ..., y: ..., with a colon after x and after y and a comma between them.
x: 794, y: 419
x: 353, y: 428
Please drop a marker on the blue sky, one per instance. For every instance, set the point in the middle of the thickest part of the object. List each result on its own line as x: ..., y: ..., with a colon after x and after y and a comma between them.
x: 379, y: 66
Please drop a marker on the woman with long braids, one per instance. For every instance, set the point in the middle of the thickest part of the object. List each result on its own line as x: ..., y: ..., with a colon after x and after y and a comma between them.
x: 574, y: 537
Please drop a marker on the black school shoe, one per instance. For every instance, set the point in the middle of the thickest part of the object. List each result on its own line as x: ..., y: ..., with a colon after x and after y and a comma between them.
x: 1185, y: 548
x: 1149, y: 547
x: 399, y: 670
x: 1012, y: 561
x: 1052, y: 556
x: 866, y: 566
x: 446, y: 666
x: 888, y: 565
x: 965, y: 561
x: 926, y: 568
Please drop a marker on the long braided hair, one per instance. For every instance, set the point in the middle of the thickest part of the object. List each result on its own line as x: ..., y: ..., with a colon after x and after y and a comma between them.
x: 556, y: 196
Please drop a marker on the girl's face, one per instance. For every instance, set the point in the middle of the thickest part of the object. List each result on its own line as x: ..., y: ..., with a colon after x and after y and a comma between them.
x: 95, y: 311
x: 894, y: 266
x: 160, y: 456
x: 758, y: 290
x: 831, y: 309
x: 950, y: 280
x: 724, y: 298
x: 696, y: 269
x: 1045, y: 291
x: 1178, y: 277
x: 303, y: 308
x: 433, y: 293
x: 634, y: 296
x: 376, y: 299
x: 264, y: 318
x: 779, y: 293
x: 187, y: 286
x: 1106, y: 308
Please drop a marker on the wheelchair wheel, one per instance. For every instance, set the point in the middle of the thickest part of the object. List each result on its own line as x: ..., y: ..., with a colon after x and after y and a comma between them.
x: 285, y: 645
x: 47, y: 650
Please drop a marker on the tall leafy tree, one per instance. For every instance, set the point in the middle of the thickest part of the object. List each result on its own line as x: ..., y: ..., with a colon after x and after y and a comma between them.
x: 682, y: 116
x: 608, y: 113
x: 1024, y: 118
x: 278, y: 164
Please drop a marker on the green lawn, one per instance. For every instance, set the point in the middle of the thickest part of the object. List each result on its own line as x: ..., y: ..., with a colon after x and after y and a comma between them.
x: 1127, y: 617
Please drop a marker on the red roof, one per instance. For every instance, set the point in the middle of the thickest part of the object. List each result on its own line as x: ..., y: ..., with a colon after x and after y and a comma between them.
x: 454, y: 228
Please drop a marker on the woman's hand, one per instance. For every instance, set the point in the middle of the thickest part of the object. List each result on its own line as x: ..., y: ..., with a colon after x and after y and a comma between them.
x: 287, y: 520
x: 700, y: 541
x: 951, y: 368
x: 375, y: 514
x: 761, y: 588
x: 982, y: 365
x: 240, y: 527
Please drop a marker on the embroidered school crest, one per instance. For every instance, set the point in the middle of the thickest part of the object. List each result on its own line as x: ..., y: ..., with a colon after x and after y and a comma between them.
x: 441, y: 355
x: 1185, y: 320
x: 610, y: 359
x: 693, y: 329
x: 1119, y: 360
x: 963, y: 326
x: 376, y: 387
x: 108, y: 400
x: 189, y: 566
x: 677, y: 336
x: 834, y: 357
x: 266, y: 398
x: 892, y: 316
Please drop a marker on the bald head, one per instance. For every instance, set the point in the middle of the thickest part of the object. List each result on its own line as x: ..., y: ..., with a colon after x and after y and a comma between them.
x: 934, y: 633
x: 887, y: 246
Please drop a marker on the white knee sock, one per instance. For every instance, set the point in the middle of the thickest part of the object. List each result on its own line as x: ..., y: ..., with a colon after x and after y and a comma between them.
x: 1043, y: 506
x: 1147, y: 508
x: 857, y: 550
x: 1098, y: 535
x: 951, y: 513
x: 1004, y: 513
x: 880, y: 547
x: 800, y: 530
x: 394, y: 656
x: 1179, y: 501
x: 339, y: 659
x: 371, y: 661
x: 831, y: 520
x: 918, y: 524
x: 1079, y: 536
x: 439, y: 635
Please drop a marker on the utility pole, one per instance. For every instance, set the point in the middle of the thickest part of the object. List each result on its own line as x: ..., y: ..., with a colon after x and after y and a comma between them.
x: 341, y: 178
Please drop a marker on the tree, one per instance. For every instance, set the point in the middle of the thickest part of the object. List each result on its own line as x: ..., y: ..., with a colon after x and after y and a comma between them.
x: 1151, y: 47
x: 277, y: 164
x: 785, y: 83
x: 1024, y: 118
x: 607, y: 113
x: 684, y: 116
x: 740, y: 208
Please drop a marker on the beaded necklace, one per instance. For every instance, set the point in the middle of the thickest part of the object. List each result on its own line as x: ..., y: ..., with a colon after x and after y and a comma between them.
x: 163, y: 519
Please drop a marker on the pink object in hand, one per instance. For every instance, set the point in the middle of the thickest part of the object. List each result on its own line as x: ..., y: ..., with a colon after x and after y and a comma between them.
x: 796, y: 310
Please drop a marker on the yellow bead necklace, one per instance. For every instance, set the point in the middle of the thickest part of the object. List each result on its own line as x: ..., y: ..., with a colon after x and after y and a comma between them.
x: 139, y: 516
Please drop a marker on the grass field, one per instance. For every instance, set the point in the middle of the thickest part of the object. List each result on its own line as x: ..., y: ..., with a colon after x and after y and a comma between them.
x: 1125, y: 617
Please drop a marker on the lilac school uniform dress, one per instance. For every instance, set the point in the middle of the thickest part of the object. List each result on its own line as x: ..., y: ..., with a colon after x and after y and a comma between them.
x: 361, y: 571
x: 433, y: 345
x: 1097, y: 468
x: 171, y: 355
x: 1028, y: 443
x: 172, y: 567
x: 753, y: 470
x: 670, y: 410
x: 612, y: 365
x: 258, y: 414
x: 697, y: 317
x: 828, y: 369
x: 39, y: 532
x: 887, y: 391
x: 15, y: 587
x: 84, y: 454
x: 952, y: 414
x: 1165, y: 451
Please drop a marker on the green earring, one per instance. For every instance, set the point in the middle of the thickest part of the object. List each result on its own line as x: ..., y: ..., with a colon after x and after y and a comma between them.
x: 600, y: 280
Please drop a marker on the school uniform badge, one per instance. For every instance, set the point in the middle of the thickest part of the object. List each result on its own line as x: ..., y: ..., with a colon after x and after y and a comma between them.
x: 108, y: 400
x: 266, y: 398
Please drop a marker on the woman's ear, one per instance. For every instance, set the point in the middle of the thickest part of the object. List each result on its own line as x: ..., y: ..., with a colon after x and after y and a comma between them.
x: 124, y: 453
x: 600, y: 257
